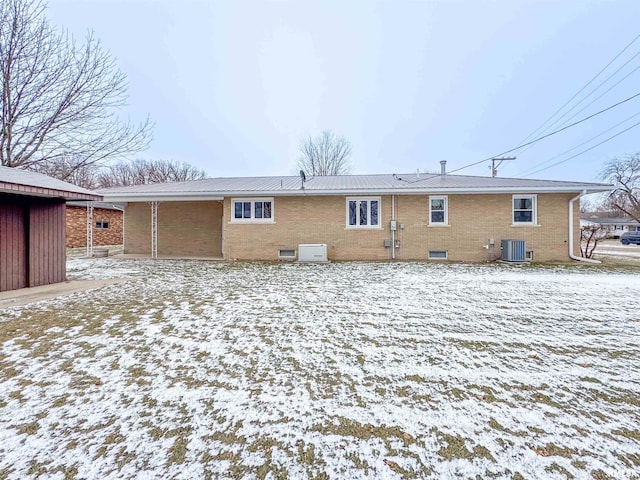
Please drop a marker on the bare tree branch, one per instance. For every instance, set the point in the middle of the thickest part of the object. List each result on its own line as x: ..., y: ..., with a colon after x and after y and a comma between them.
x: 624, y: 172
x: 60, y: 100
x: 326, y: 154
x: 590, y: 235
x: 142, y: 172
x: 71, y: 169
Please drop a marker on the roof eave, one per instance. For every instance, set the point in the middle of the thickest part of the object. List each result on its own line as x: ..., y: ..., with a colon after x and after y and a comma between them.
x: 159, y: 197
x: 29, y: 190
x: 217, y: 196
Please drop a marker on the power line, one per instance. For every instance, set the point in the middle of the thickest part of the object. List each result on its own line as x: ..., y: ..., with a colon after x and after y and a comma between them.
x: 593, y: 91
x: 605, y: 92
x: 525, y: 172
x: 548, y: 134
x: 581, y: 90
x: 584, y: 151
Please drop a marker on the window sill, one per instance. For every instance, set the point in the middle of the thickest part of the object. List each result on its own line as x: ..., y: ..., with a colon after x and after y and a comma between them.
x: 438, y: 225
x: 525, y: 225
x: 363, y: 228
x: 251, y: 222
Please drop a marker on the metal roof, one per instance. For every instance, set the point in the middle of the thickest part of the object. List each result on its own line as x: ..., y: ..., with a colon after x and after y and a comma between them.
x: 22, y: 182
x: 218, y: 188
x: 103, y: 205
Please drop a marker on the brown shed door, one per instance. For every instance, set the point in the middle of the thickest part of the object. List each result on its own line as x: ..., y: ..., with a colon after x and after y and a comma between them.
x: 13, y: 248
x: 47, y: 244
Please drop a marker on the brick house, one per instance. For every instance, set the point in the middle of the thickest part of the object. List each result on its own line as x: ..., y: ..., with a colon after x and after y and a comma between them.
x: 32, y: 227
x: 107, y: 224
x: 358, y: 217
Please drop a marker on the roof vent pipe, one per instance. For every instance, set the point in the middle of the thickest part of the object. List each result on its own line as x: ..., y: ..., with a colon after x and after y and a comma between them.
x: 443, y: 167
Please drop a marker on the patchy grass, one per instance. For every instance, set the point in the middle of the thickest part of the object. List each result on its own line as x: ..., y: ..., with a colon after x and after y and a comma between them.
x: 350, y: 370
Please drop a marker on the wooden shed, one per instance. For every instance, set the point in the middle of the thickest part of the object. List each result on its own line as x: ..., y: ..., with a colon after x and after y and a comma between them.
x: 32, y: 227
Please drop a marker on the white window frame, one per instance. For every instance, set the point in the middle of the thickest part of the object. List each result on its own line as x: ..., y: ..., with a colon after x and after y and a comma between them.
x: 252, y: 219
x: 534, y: 210
x: 446, y: 255
x: 363, y: 199
x: 445, y: 223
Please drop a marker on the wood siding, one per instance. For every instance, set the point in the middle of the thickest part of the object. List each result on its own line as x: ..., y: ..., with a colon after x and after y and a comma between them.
x: 13, y: 241
x: 32, y: 242
x: 47, y: 244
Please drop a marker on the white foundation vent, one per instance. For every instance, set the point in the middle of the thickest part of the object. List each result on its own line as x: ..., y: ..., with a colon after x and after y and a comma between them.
x: 312, y: 252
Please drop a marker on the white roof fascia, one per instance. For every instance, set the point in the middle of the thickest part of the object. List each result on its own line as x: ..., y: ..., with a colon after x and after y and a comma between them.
x: 193, y: 196
x: 429, y: 191
x: 154, y: 197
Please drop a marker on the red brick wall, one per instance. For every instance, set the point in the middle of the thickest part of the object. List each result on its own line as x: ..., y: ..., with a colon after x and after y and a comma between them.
x: 77, y: 227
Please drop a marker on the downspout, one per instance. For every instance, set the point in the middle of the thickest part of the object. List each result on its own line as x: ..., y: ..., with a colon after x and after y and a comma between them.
x: 571, y: 255
x: 393, y: 232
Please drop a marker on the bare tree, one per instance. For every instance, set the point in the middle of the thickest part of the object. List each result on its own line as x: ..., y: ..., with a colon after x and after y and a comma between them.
x: 60, y: 99
x: 142, y: 172
x: 326, y: 154
x: 590, y: 235
x: 70, y: 168
x: 624, y: 172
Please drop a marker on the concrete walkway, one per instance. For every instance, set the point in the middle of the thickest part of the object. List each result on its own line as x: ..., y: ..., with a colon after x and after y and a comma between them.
x: 25, y: 296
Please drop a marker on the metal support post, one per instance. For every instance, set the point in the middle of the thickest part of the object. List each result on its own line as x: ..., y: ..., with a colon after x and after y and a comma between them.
x: 154, y: 229
x: 89, y: 229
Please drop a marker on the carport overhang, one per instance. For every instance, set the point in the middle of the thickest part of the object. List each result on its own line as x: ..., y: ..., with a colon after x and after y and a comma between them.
x: 145, y: 197
x: 154, y: 200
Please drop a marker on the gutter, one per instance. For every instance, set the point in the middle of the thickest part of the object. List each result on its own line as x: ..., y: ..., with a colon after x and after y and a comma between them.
x: 571, y: 254
x: 220, y: 195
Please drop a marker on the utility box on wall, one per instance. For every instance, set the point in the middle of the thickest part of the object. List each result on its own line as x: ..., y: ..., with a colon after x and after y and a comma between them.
x: 312, y: 252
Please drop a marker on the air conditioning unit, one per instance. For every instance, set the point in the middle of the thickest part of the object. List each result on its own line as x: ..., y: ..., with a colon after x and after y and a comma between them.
x: 514, y: 251
x: 312, y: 252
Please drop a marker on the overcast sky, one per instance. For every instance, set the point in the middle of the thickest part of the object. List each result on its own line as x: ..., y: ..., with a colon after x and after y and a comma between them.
x: 233, y: 86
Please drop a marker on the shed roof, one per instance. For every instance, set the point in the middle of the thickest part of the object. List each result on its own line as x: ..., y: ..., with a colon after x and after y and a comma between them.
x: 22, y: 182
x: 218, y: 188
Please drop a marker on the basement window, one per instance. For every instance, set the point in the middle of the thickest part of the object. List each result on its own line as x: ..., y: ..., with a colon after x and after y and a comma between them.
x: 284, y: 253
x: 102, y: 224
x: 252, y: 210
x: 438, y: 254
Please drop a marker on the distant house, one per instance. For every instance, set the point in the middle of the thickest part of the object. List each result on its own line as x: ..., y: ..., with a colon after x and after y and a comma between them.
x: 615, y: 226
x: 32, y: 227
x: 106, y: 222
x: 358, y: 217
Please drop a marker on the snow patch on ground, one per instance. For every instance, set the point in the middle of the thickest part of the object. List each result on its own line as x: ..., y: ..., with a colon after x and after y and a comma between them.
x: 348, y: 370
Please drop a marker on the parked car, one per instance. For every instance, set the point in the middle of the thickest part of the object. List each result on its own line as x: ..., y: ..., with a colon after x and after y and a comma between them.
x: 630, y: 237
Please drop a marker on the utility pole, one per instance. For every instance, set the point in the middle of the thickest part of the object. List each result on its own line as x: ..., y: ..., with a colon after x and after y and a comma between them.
x: 494, y: 166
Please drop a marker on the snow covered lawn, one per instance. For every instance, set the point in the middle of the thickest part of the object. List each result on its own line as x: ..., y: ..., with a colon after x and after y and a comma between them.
x: 346, y: 370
